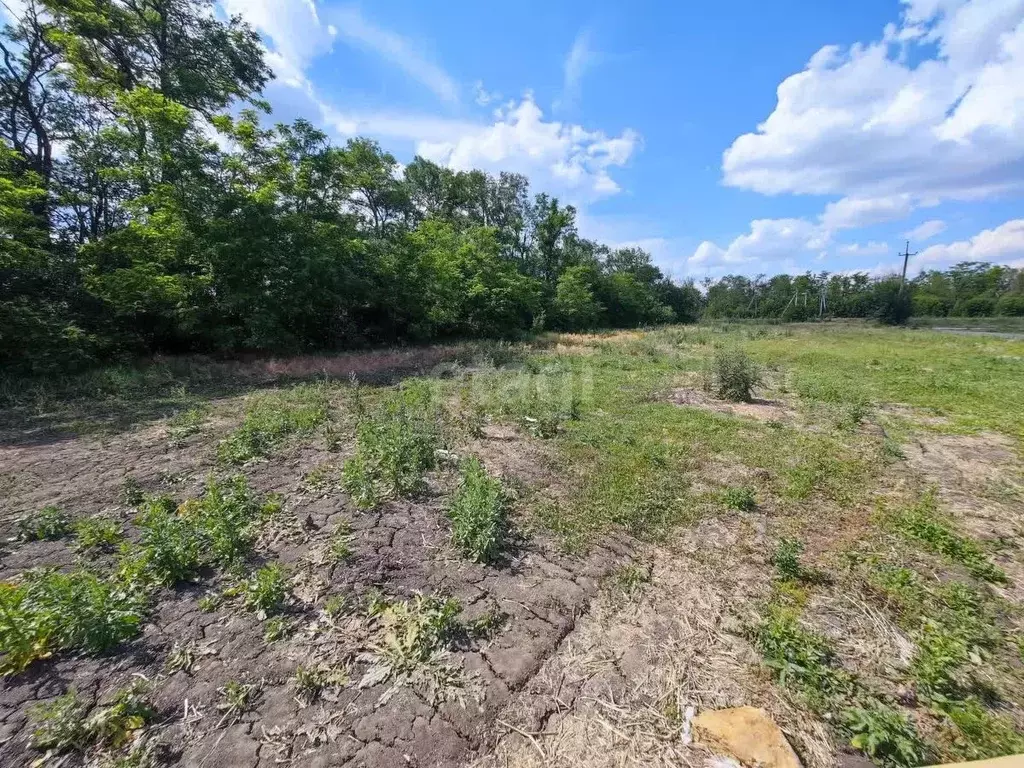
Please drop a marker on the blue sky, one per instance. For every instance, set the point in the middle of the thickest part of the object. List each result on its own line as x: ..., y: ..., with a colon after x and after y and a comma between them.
x: 724, y: 137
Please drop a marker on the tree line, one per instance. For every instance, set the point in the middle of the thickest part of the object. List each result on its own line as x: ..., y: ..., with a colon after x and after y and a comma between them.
x: 967, y: 289
x: 148, y: 205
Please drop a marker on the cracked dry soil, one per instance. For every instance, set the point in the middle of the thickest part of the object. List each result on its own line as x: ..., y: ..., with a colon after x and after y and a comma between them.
x: 400, y: 549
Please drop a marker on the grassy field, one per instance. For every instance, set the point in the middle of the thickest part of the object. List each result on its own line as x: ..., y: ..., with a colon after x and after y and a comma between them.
x: 403, y: 531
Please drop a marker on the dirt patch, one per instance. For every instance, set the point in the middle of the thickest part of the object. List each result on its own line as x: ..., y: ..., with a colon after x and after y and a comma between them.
x: 624, y: 684
x: 400, y: 549
x: 980, y: 482
x: 759, y: 409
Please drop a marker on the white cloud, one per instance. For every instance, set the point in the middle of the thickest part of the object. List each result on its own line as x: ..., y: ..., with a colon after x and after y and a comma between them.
x: 356, y: 28
x: 873, y: 121
x: 1003, y: 244
x: 482, y: 96
x: 556, y: 156
x: 926, y: 230
x: 581, y: 58
x: 769, y: 241
x: 854, y: 212
x: 871, y: 248
x: 295, y: 30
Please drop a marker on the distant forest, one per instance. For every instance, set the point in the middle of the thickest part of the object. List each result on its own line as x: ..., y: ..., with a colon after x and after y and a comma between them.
x: 145, y: 206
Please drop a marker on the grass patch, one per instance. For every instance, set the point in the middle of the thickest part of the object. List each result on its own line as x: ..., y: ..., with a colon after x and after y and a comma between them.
x: 272, y: 418
x: 265, y: 591
x: 885, y: 735
x: 477, y: 512
x: 923, y: 524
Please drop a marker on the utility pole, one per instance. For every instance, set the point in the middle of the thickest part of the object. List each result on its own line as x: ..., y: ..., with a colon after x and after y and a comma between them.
x: 906, y: 260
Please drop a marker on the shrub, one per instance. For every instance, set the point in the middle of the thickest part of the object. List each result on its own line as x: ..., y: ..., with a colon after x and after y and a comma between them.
x: 47, y: 524
x: 976, y: 306
x: 885, y: 735
x: 892, y: 304
x: 1010, y: 306
x: 478, y: 513
x: 735, y: 375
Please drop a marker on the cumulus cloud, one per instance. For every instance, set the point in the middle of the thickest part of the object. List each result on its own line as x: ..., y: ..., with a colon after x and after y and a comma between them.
x: 926, y: 230
x: 770, y: 241
x: 854, y: 212
x: 555, y: 155
x: 1003, y: 244
x: 871, y: 248
x: 876, y: 121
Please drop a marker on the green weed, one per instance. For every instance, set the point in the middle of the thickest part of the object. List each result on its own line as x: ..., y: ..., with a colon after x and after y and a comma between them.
x: 61, y: 726
x: 97, y: 534
x: 734, y: 375
x: 236, y: 699
x: 310, y: 681
x: 800, y: 659
x: 741, y: 499
x: 922, y: 523
x: 786, y: 559
x: 477, y: 512
x: 265, y: 591
x: 885, y: 735
x: 276, y: 628
x: 395, y: 446
x: 132, y: 493
x: 270, y: 419
x: 187, y: 423
x: 47, y: 524
x: 414, y: 630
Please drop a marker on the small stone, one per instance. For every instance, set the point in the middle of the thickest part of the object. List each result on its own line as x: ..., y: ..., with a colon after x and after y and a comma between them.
x: 746, y: 734
x: 906, y: 696
x: 309, y: 525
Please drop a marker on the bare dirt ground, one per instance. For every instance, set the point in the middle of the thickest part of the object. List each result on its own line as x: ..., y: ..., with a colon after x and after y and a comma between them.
x: 400, y: 549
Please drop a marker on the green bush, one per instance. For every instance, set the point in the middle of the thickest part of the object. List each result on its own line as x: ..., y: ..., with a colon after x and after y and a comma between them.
x: 735, y: 375
x: 976, y: 306
x: 1011, y: 305
x: 172, y: 549
x: 477, y: 512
